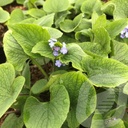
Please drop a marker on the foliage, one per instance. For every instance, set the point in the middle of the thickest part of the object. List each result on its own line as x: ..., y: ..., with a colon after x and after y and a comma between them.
x: 85, y: 44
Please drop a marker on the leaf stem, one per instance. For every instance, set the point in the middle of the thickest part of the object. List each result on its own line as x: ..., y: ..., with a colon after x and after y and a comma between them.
x: 40, y: 68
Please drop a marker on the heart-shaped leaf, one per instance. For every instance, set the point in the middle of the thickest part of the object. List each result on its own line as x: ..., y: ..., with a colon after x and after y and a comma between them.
x: 28, y: 35
x: 69, y: 25
x: 51, y: 6
x: 14, y: 52
x: 4, y: 15
x: 86, y: 102
x: 10, y: 86
x: 50, y: 114
x: 104, y: 72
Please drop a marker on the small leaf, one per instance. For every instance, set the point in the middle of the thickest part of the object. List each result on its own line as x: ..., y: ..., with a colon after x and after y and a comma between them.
x: 104, y: 72
x: 45, y: 20
x: 125, y: 89
x: 120, y: 51
x: 115, y: 27
x: 54, y: 33
x: 3, y: 2
x: 101, y: 37
x: 28, y: 35
x: 36, y: 13
x: 89, y: 6
x: 75, y: 55
x: 69, y: 25
x: 12, y: 121
x: 51, y: 6
x: 97, y: 120
x: 43, y: 49
x: 16, y: 16
x: 10, y: 86
x: 14, y: 52
x: 50, y: 114
x: 4, y: 15
x: 38, y: 86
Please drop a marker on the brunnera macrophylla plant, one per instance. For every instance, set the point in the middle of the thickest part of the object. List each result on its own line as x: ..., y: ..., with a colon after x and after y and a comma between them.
x: 86, y: 45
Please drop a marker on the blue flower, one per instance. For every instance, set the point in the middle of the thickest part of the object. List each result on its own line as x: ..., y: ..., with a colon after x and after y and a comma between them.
x: 58, y: 63
x: 64, y: 50
x: 124, y: 33
x: 55, y: 53
x: 52, y: 42
x: 56, y: 48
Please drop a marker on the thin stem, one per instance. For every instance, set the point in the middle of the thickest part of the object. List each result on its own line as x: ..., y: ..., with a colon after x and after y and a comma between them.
x: 40, y: 68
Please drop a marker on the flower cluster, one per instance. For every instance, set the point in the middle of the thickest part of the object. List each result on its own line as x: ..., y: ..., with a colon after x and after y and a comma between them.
x: 124, y: 33
x: 58, y: 49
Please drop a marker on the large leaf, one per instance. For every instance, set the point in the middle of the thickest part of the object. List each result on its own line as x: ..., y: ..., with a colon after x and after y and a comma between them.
x: 86, y: 102
x: 73, y: 82
x: 104, y: 72
x: 14, y: 52
x: 28, y: 35
x: 10, y: 86
x: 50, y: 114
x: 51, y: 6
x: 4, y: 15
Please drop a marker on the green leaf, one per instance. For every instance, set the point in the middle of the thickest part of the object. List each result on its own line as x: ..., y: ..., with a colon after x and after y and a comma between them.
x: 73, y: 82
x: 88, y: 7
x: 120, y: 52
x: 70, y: 25
x: 13, y: 51
x: 43, y: 49
x: 45, y: 20
x: 50, y: 114
x: 51, y: 6
x: 108, y: 8
x: 115, y: 27
x: 54, y: 33
x: 12, y: 121
x: 16, y: 16
x: 38, y: 86
x: 121, y: 10
x: 115, y: 123
x: 75, y: 55
x: 86, y: 102
x: 99, y: 21
x: 101, y: 37
x: 97, y: 120
x: 26, y: 73
x: 28, y: 35
x: 104, y: 72
x: 5, y: 2
x: 125, y: 89
x: 20, y: 1
x: 4, y: 15
x: 36, y: 13
x: 10, y: 86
